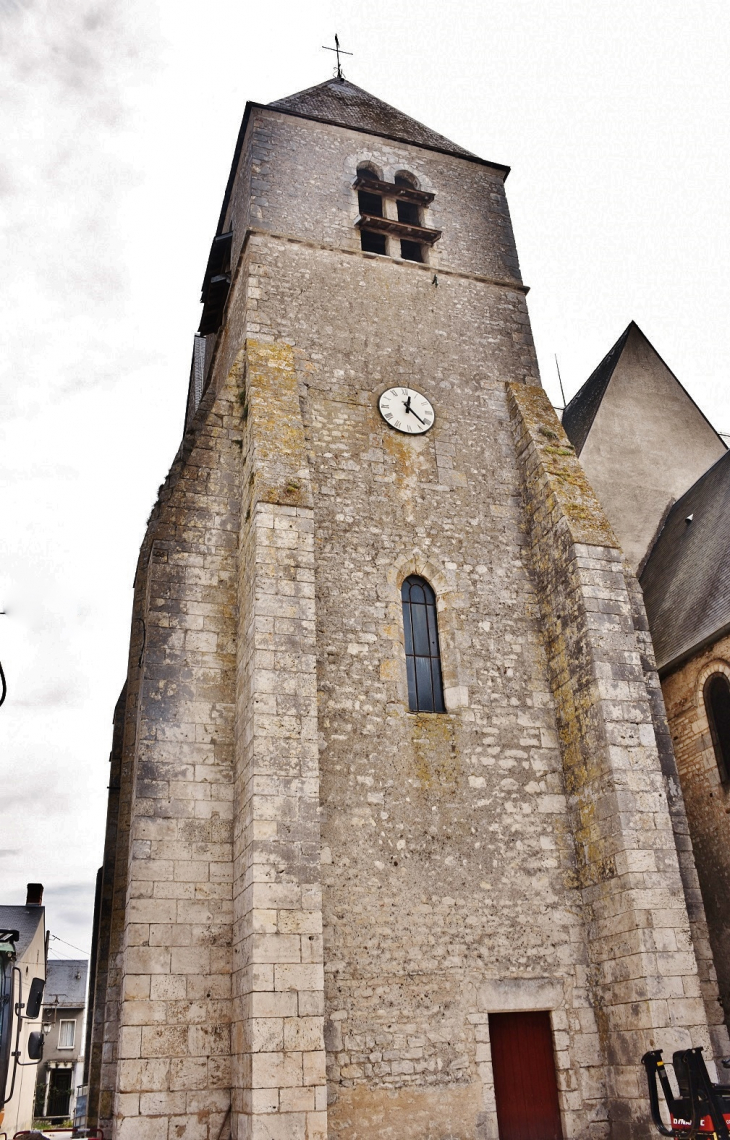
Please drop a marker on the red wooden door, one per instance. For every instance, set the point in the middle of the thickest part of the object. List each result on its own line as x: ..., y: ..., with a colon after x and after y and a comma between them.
x: 525, y: 1084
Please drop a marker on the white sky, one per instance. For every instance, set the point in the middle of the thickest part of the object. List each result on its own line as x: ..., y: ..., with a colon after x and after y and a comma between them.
x: 119, y: 121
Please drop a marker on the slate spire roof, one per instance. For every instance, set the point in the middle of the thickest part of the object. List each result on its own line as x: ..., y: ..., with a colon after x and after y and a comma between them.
x: 340, y: 102
x: 686, y: 580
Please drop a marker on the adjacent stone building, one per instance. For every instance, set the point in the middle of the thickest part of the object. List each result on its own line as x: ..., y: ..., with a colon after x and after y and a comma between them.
x: 642, y: 441
x: 395, y: 845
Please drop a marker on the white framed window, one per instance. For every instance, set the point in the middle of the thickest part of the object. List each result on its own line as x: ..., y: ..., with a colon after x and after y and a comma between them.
x: 66, y: 1034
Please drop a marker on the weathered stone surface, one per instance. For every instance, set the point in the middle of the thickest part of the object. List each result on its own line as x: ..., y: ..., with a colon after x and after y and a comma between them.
x: 707, y: 800
x: 610, y: 721
x: 319, y: 895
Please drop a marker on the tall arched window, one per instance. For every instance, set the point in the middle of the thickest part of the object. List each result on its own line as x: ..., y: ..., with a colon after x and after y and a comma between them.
x: 423, y: 660
x: 717, y: 704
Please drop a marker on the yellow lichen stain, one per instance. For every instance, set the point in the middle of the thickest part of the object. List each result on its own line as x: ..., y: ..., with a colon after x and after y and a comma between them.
x: 279, y: 462
x: 389, y: 670
x: 412, y: 1113
x: 565, y: 476
x: 436, y: 763
x: 411, y: 461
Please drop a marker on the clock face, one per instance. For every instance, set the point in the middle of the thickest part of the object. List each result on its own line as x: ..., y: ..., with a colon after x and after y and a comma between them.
x: 406, y: 410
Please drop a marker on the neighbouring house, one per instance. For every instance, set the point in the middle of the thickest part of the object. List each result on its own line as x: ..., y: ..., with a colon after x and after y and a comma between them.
x: 29, y: 922
x: 60, y: 1072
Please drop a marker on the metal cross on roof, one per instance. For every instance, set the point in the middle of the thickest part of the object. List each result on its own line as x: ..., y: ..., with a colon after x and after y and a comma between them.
x: 340, y: 51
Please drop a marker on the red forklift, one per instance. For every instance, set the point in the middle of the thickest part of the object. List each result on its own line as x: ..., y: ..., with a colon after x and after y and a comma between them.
x: 700, y: 1108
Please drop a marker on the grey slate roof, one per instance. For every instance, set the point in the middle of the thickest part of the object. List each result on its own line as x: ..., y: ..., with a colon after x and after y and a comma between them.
x: 686, y: 580
x: 341, y: 102
x: 24, y: 919
x: 66, y: 983
x: 580, y: 412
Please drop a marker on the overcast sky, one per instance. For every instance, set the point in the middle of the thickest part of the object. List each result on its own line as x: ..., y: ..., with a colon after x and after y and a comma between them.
x: 118, y: 122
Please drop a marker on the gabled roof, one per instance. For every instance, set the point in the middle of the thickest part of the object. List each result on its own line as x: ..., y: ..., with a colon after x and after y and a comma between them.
x: 66, y: 983
x: 686, y: 580
x: 24, y: 919
x: 340, y: 102
x: 580, y: 412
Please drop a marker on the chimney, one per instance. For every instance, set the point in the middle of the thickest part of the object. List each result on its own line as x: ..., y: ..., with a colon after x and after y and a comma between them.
x: 35, y: 894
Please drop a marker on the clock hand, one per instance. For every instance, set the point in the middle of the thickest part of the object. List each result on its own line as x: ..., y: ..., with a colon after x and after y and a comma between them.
x: 408, y: 408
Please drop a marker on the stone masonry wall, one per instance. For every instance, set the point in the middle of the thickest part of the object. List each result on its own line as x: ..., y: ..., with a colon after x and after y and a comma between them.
x: 306, y: 192
x: 103, y: 915
x: 644, y: 980
x: 168, y: 1038
x: 706, y: 797
x: 516, y: 852
x: 448, y: 864
x: 278, y: 1046
x: 688, y: 863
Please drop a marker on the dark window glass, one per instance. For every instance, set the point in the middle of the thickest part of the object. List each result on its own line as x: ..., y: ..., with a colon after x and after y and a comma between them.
x: 370, y: 203
x: 717, y: 704
x: 372, y: 243
x: 408, y: 213
x: 411, y: 251
x: 423, y: 660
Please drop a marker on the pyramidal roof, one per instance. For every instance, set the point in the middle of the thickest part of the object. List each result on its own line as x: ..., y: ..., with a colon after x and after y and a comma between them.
x: 340, y: 102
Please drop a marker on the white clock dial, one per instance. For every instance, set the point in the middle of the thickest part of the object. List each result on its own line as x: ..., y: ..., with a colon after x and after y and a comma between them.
x: 406, y: 410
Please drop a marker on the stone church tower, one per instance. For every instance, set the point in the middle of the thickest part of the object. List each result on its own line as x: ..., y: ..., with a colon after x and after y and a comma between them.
x: 395, y: 848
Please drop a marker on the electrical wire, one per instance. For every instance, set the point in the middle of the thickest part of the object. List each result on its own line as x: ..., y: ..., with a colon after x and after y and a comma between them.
x: 57, y: 938
x: 3, y: 685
